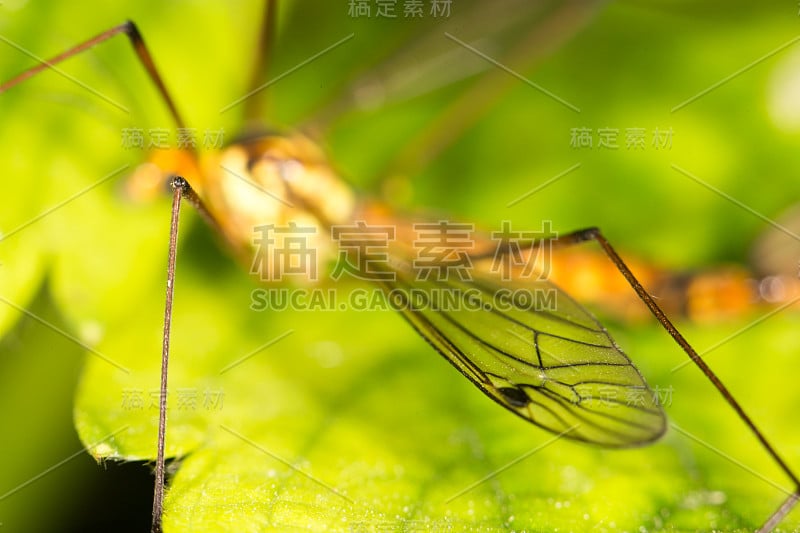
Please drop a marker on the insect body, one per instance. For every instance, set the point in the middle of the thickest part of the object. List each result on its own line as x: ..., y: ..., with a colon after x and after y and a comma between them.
x: 557, y: 368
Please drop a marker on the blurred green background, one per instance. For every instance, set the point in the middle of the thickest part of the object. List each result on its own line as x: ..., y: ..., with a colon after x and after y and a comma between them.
x: 356, y: 398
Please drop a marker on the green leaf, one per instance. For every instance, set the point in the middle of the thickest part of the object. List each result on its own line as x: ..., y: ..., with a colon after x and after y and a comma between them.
x: 374, y: 430
x: 351, y: 422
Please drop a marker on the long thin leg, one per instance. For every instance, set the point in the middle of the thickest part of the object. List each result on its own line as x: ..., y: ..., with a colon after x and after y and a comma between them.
x: 181, y: 190
x: 179, y: 185
x: 254, y: 107
x: 778, y: 516
x: 475, y: 102
x: 448, y: 125
x: 129, y: 29
x: 594, y: 234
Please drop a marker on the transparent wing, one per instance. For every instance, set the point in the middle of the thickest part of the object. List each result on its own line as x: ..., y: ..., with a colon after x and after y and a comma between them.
x: 531, y: 348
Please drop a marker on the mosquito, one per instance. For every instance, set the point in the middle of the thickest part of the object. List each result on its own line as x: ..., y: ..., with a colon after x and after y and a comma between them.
x: 546, y: 371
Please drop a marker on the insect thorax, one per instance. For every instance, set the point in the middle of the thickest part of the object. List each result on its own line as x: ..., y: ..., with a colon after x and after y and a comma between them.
x: 272, y: 181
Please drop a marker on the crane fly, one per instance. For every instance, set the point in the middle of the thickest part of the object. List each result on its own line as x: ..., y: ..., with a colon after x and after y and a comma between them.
x: 544, y: 364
